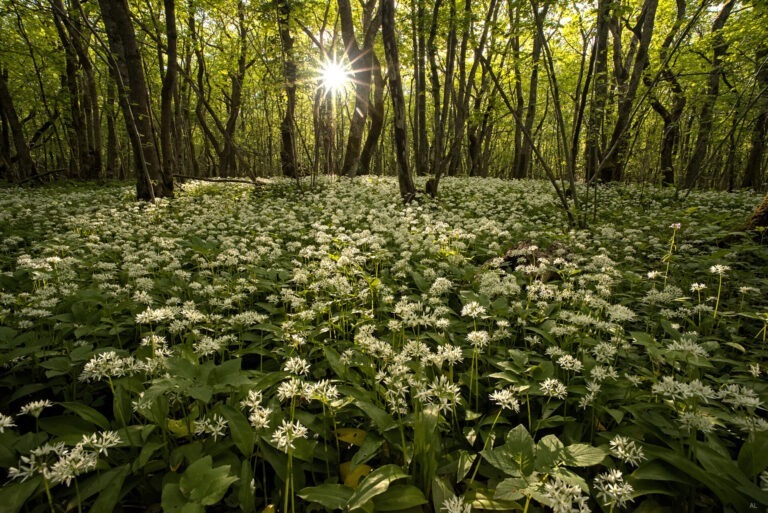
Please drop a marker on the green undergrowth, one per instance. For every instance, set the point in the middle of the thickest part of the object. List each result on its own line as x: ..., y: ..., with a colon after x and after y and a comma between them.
x: 266, y: 349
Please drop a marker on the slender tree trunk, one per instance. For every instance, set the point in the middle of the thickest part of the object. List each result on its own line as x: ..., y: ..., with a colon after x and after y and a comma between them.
x: 362, y: 63
x: 26, y: 166
x: 228, y: 158
x: 593, y: 151
x: 405, y: 181
x: 287, y: 126
x: 754, y: 167
x: 526, y: 152
x: 613, y: 167
x: 128, y: 71
x: 167, y: 148
x: 706, y: 118
x: 377, y: 118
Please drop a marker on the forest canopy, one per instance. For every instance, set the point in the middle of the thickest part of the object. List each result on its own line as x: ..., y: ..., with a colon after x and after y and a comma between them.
x: 654, y: 91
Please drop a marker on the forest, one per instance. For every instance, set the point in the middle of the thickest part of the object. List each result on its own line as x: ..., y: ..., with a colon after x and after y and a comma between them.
x: 415, y: 256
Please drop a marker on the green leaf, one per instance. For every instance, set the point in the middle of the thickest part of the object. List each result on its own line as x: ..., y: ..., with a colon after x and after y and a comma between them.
x: 330, y: 496
x: 245, y: 493
x: 753, y: 456
x: 241, y: 431
x: 381, y: 418
x: 549, y: 452
x: 368, y: 449
x: 14, y: 495
x: 112, y: 492
x: 88, y: 414
x: 511, y: 489
x: 399, y: 497
x: 204, y: 484
x: 583, y: 455
x: 376, y: 483
x: 516, y: 456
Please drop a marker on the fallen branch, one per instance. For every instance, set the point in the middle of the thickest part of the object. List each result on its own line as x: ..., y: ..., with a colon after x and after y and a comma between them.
x: 257, y: 181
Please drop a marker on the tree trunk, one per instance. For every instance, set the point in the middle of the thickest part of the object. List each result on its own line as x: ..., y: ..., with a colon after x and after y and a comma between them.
x: 167, y: 148
x: 593, y: 151
x: 287, y: 130
x: 526, y: 151
x: 613, y: 167
x: 759, y: 217
x: 377, y: 118
x: 128, y: 71
x: 706, y: 119
x: 405, y: 181
x: 362, y: 63
x: 754, y: 167
x: 228, y: 157
x: 26, y: 166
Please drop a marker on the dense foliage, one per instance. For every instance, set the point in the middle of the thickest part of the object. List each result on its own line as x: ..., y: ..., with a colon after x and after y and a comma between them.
x: 242, y: 349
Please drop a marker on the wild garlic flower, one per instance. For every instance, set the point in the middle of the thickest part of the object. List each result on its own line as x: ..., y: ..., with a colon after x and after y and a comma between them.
x: 6, y: 422
x: 107, y: 365
x: 35, y: 408
x: 473, y: 310
x: 692, y: 421
x: 719, y: 269
x: 505, y: 398
x: 570, y: 363
x: 627, y: 450
x: 455, y: 504
x: 478, y: 339
x: 296, y: 365
x: 612, y: 490
x: 287, y: 433
x: 440, y: 286
x: 697, y: 287
x: 552, y: 387
x: 214, y: 426
x: 102, y: 442
x: 565, y: 498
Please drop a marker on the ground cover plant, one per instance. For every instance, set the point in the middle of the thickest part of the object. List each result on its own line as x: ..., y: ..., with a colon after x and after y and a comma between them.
x: 241, y: 349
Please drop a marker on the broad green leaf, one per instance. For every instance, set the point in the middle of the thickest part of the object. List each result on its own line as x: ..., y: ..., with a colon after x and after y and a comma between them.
x: 240, y: 429
x: 549, y: 452
x: 511, y: 489
x: 370, y: 447
x: 399, y: 497
x: 516, y: 456
x: 111, y: 494
x: 245, y: 493
x: 88, y: 414
x: 330, y: 496
x: 204, y: 484
x: 583, y: 455
x: 753, y: 456
x: 376, y: 483
x: 381, y: 418
x: 13, y: 495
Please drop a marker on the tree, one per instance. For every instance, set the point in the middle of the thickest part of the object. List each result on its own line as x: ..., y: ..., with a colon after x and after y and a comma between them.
x: 287, y: 125
x: 128, y: 71
x: 361, y: 59
x: 405, y: 181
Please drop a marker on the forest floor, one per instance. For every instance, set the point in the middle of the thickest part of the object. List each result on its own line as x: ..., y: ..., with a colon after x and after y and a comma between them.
x: 261, y: 349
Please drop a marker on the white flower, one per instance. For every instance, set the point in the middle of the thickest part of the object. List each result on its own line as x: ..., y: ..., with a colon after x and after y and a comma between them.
x: 565, y: 498
x: 102, y: 442
x: 473, y: 309
x: 35, y: 408
x: 697, y: 287
x: 296, y: 365
x: 612, y: 490
x: 719, y: 269
x: 626, y: 450
x: 554, y: 388
x: 287, y: 433
x: 506, y: 399
x: 6, y: 422
x: 478, y: 339
x: 456, y: 504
